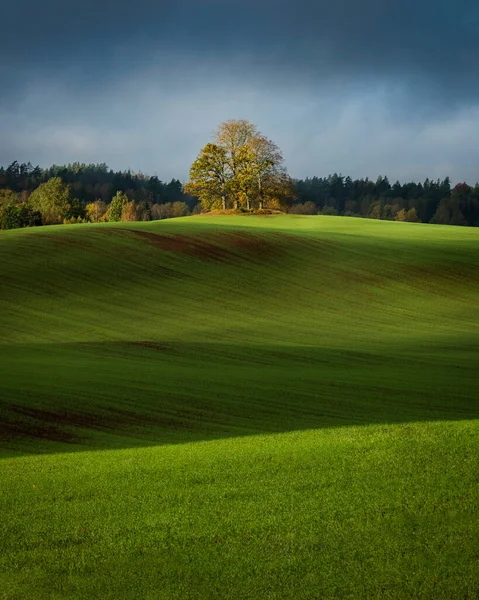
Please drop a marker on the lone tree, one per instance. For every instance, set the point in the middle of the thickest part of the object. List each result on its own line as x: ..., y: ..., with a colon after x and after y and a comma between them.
x: 241, y: 168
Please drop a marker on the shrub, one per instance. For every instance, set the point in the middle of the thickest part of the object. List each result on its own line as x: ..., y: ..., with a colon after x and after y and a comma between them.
x: 308, y: 208
x: 14, y: 217
x: 329, y: 210
x: 408, y: 215
x: 74, y: 220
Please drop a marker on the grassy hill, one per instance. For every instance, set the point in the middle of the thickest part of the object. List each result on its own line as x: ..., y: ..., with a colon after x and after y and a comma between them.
x: 239, y: 407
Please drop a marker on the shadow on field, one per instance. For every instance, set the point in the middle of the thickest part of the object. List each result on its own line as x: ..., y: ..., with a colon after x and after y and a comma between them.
x: 85, y: 396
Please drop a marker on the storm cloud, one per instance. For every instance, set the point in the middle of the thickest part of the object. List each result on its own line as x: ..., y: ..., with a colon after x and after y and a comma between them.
x: 359, y: 88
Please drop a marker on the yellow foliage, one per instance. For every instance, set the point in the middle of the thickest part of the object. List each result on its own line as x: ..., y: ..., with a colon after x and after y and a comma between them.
x: 129, y: 212
x: 96, y: 211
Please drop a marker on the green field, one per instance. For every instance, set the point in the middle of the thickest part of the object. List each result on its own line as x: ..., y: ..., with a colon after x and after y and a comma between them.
x: 239, y: 407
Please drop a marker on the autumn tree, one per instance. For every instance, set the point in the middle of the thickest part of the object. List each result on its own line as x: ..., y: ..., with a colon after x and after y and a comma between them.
x: 408, y: 215
x: 233, y: 136
x: 242, y: 168
x: 95, y: 211
x: 53, y: 200
x: 243, y: 179
x: 210, y: 177
x: 270, y: 177
x: 129, y: 212
x: 278, y: 191
x: 8, y: 198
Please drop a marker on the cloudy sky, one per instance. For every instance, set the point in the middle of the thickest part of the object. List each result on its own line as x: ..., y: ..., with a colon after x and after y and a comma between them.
x: 359, y: 87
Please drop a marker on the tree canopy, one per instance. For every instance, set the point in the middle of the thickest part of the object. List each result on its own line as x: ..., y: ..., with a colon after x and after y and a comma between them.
x: 241, y: 168
x: 52, y: 199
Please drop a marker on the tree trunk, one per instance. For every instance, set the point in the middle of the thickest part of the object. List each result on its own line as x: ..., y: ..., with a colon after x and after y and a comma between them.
x: 223, y: 199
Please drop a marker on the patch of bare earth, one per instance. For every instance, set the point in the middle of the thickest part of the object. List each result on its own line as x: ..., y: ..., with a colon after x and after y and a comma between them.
x: 220, y: 246
x: 28, y: 422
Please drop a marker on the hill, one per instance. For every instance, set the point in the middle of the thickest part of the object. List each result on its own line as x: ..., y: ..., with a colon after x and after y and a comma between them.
x: 244, y: 407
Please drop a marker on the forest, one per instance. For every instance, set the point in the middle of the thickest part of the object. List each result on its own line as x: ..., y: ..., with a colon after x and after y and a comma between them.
x: 79, y: 192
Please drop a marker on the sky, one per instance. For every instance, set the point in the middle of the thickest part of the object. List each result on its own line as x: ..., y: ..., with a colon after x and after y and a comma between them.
x: 361, y: 88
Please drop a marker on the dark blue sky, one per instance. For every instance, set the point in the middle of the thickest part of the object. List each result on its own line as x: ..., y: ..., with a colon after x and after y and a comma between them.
x: 361, y: 88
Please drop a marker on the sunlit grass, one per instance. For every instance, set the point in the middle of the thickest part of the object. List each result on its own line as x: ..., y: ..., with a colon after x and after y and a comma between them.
x: 380, y: 511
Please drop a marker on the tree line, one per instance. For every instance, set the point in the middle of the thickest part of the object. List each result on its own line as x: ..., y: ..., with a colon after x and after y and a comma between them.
x: 428, y: 202
x: 79, y: 192
x: 240, y: 170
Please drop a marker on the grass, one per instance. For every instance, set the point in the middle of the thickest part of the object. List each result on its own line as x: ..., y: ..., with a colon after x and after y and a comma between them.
x: 239, y: 407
